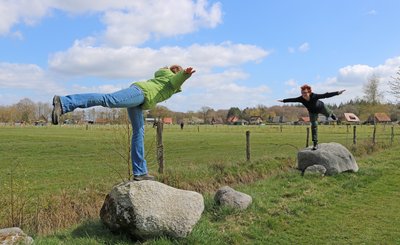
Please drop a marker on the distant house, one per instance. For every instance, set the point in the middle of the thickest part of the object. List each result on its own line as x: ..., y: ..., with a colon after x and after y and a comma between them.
x: 351, y: 118
x: 255, y: 120
x: 381, y: 117
x: 217, y: 120
x: 167, y: 120
x: 279, y: 119
x: 241, y: 122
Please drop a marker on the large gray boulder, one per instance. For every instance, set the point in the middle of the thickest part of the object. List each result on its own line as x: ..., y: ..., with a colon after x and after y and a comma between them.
x: 14, y: 235
x: 147, y: 209
x: 333, y: 156
x: 226, y: 196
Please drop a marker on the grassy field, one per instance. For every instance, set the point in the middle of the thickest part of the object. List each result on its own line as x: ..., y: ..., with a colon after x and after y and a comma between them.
x: 63, y: 173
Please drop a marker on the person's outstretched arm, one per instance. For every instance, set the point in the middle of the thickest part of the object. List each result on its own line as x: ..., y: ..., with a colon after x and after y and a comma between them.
x: 329, y: 94
x: 297, y: 99
x: 180, y: 77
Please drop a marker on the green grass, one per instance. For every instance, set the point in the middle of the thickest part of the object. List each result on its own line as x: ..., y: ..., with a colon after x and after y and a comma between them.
x: 351, y: 208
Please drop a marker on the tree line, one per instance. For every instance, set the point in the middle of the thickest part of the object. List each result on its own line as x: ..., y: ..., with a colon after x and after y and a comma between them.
x: 30, y: 112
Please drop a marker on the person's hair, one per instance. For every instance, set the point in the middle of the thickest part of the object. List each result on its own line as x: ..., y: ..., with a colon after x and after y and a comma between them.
x: 306, y: 87
x: 174, y: 67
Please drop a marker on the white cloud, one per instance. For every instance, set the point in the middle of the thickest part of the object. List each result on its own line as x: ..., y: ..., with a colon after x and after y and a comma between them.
x: 18, y: 81
x: 304, y: 47
x: 133, y: 62
x: 127, y: 22
x: 20, y: 11
x: 24, y: 76
x: 372, y: 12
x: 218, y: 91
x: 213, y: 81
x: 352, y: 78
x: 161, y: 18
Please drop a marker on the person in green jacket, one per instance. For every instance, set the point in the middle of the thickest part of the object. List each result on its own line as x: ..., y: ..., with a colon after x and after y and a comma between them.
x: 314, y: 106
x: 138, y: 97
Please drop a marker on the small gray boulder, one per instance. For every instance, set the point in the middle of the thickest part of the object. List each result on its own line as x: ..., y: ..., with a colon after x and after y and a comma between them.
x: 333, y: 156
x: 226, y: 196
x: 14, y: 235
x: 148, y: 209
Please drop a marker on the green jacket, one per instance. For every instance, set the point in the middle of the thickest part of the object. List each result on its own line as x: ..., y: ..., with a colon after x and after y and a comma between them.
x: 164, y: 84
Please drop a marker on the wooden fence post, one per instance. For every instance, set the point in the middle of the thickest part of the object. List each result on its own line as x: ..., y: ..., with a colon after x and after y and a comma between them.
x: 160, y: 147
x: 392, y: 135
x: 374, y: 135
x: 354, y: 135
x: 308, y: 137
x: 248, y: 145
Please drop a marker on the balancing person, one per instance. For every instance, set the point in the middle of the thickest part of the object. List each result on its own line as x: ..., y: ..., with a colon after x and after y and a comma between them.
x: 314, y: 106
x: 139, y: 96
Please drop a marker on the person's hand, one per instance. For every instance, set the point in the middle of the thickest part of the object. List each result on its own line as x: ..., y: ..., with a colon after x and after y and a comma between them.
x: 280, y: 100
x: 189, y: 70
x: 341, y: 91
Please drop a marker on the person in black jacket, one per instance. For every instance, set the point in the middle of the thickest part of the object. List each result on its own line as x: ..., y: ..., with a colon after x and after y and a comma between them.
x: 314, y: 106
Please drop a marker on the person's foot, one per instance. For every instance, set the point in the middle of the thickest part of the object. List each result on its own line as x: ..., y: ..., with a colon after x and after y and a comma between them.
x: 57, y: 110
x: 315, y: 146
x: 143, y: 177
x: 333, y: 116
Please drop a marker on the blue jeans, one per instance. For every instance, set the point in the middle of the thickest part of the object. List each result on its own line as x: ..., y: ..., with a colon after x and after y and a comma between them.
x: 130, y: 98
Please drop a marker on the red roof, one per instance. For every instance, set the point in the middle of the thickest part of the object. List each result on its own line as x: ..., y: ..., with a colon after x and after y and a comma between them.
x: 167, y: 120
x: 233, y: 119
x: 304, y: 119
x: 351, y: 117
x: 382, y: 117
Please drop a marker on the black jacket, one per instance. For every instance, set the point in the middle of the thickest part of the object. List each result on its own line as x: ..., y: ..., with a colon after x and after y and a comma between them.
x: 314, y: 105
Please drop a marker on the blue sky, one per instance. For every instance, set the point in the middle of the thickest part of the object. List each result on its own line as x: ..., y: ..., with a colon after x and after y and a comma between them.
x: 246, y: 53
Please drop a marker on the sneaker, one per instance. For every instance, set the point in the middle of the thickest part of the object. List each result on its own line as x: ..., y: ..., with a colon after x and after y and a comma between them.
x: 57, y: 110
x: 333, y: 116
x: 143, y: 177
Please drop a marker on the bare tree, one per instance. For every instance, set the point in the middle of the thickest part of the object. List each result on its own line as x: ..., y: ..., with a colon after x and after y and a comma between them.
x: 371, y: 90
x: 42, y: 109
x: 205, y: 110
x: 395, y: 85
x: 26, y: 110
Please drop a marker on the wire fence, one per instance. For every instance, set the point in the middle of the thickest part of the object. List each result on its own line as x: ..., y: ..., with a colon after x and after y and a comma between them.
x: 281, y: 140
